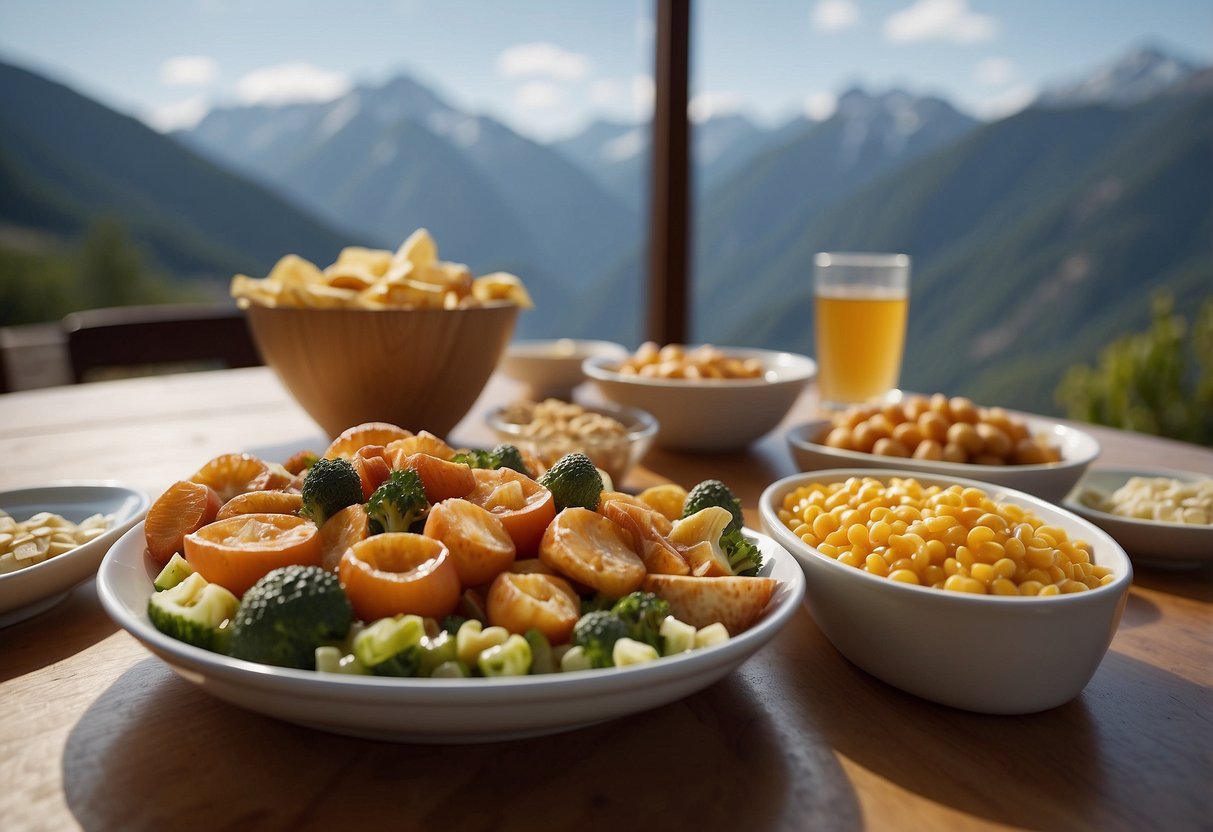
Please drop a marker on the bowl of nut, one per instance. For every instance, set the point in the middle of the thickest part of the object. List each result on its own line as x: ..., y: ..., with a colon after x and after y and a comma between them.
x: 705, y: 398
x: 949, y: 436
x: 962, y: 592
x: 374, y: 336
x: 551, y: 369
x: 615, y: 438
x: 1160, y: 516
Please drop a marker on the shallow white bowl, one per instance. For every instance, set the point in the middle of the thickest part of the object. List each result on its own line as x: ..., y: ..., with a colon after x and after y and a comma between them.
x: 1051, y: 481
x: 711, y: 414
x: 984, y: 653
x: 37, y: 588
x: 439, y: 710
x: 1148, y: 542
x: 616, y: 455
x: 553, y: 368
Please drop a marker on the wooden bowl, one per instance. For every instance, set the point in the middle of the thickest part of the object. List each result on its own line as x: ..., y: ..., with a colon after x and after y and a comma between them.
x: 421, y: 369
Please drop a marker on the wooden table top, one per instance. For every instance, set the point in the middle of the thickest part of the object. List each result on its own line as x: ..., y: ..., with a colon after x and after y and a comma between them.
x: 97, y: 733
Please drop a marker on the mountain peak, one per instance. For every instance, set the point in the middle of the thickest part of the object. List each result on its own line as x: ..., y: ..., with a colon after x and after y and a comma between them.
x: 1137, y: 75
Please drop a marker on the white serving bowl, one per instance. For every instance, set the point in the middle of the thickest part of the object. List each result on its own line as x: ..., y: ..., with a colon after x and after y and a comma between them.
x: 1148, y: 542
x: 984, y: 653
x: 616, y: 455
x: 553, y: 368
x: 711, y: 414
x: 1051, y: 481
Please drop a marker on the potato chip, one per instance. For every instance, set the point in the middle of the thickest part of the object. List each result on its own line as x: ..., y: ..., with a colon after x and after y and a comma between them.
x: 502, y: 286
x: 419, y: 249
x: 293, y: 270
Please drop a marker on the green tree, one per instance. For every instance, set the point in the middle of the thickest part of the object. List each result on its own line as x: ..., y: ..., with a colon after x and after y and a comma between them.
x: 1159, y: 381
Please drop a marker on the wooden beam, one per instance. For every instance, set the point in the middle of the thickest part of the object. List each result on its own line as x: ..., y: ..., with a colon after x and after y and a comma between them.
x: 670, y: 203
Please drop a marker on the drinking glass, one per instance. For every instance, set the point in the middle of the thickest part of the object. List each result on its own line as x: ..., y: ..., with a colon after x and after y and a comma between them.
x: 861, y: 302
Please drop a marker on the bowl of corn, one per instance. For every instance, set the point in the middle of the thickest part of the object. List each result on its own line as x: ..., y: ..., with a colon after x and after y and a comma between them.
x: 962, y: 592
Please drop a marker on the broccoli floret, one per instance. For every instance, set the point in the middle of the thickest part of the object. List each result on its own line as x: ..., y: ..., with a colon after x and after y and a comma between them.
x: 287, y: 614
x: 398, y: 503
x: 193, y: 611
x: 597, y: 601
x: 503, y: 456
x: 596, y: 633
x: 574, y: 481
x: 330, y: 485
x: 744, y: 557
x: 452, y: 623
x: 642, y: 613
x: 714, y: 493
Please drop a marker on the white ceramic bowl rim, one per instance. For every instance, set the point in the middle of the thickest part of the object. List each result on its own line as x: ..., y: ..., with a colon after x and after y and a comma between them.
x: 640, y: 423
x: 1087, y: 450
x: 1075, y: 497
x: 773, y: 496
x: 579, y: 349
x: 787, y: 367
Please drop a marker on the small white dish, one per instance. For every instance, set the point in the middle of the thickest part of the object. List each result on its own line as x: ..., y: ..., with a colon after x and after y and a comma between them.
x: 1148, y: 542
x: 439, y: 710
x: 1051, y: 481
x: 984, y: 653
x: 711, y: 415
x: 35, y: 589
x: 551, y: 369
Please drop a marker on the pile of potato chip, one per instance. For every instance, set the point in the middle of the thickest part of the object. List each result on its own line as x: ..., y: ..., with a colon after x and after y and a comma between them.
x: 412, y: 277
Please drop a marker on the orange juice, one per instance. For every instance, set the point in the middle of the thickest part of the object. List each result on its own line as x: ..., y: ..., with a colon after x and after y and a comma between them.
x: 861, y: 332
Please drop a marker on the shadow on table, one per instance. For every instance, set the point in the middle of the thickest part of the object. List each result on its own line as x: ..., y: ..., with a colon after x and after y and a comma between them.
x: 1121, y: 745
x: 1192, y: 582
x: 153, y: 751
x: 79, y: 622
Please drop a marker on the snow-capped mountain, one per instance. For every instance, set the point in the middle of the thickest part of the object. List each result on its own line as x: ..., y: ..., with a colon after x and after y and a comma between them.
x: 1122, y: 82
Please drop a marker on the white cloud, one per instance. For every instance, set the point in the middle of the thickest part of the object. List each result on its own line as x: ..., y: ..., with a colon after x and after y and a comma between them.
x: 188, y: 71
x: 1006, y: 103
x: 834, y: 15
x: 290, y: 82
x: 995, y: 72
x: 180, y: 115
x: 820, y: 105
x: 950, y: 20
x: 644, y: 94
x: 708, y: 104
x: 538, y: 95
x: 545, y: 59
x: 630, y: 98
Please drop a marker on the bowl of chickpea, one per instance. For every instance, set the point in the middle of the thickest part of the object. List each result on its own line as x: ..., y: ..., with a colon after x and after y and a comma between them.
x: 965, y: 593
x: 949, y: 436
x: 705, y: 398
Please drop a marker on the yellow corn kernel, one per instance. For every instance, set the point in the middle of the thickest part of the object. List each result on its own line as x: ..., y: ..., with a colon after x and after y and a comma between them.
x: 1049, y: 589
x: 933, y: 574
x: 905, y: 576
x: 978, y: 535
x: 1004, y: 568
x: 1039, y: 557
x: 1002, y: 586
x: 876, y: 565
x: 823, y: 524
x: 1074, y: 586
x: 983, y: 572
x: 1030, y: 587
x: 960, y: 583
x: 858, y: 536
x: 851, y: 558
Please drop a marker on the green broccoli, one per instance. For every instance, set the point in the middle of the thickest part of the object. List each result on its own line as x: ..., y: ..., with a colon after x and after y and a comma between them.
x: 330, y: 485
x: 193, y: 611
x: 714, y: 493
x: 642, y: 613
x: 574, y: 480
x: 398, y: 503
x: 503, y: 456
x: 596, y: 633
x: 287, y: 614
x: 744, y: 557
x: 597, y: 601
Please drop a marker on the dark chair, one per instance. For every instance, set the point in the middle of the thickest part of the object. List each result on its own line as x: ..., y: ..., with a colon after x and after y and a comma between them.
x: 135, y: 339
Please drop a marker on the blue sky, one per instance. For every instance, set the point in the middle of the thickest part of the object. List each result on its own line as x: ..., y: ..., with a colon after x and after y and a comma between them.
x: 547, y: 67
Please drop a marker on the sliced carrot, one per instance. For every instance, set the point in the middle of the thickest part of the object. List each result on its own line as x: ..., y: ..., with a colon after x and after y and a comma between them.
x: 184, y: 507
x: 521, y: 602
x: 442, y: 479
x: 340, y: 532
x: 261, y: 502
x: 237, y: 552
x: 371, y: 467
x: 477, y: 540
x: 300, y: 461
x: 397, y: 573
x: 232, y: 474
x: 423, y: 443
x: 592, y: 550
x: 351, y: 439
x: 522, y: 505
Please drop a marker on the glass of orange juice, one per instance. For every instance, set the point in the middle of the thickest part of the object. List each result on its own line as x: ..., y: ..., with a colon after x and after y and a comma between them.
x: 861, y: 304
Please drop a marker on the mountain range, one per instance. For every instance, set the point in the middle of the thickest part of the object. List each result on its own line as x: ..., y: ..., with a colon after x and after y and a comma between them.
x: 1036, y: 238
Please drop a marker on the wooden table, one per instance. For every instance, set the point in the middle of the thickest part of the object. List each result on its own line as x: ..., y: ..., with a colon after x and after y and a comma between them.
x: 98, y: 734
